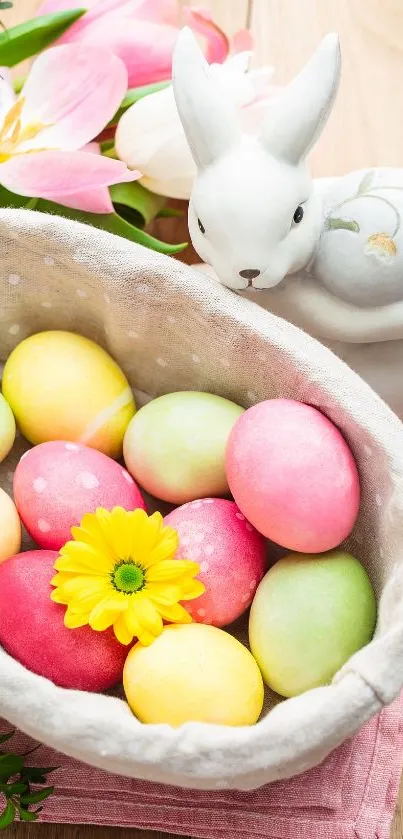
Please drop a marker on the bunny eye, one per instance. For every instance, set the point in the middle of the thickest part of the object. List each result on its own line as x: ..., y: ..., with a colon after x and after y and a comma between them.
x: 201, y: 228
x: 298, y: 215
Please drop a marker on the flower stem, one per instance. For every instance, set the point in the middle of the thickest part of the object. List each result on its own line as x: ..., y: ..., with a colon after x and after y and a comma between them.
x: 110, y: 153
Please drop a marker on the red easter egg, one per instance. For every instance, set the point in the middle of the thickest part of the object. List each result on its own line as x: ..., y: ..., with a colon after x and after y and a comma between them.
x: 33, y: 632
x: 56, y: 483
x: 231, y: 555
x: 293, y: 475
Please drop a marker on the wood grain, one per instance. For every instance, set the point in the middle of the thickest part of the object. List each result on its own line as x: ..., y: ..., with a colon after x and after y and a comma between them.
x: 365, y: 129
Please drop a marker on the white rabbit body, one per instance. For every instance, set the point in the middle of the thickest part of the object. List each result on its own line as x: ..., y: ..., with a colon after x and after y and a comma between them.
x: 326, y: 254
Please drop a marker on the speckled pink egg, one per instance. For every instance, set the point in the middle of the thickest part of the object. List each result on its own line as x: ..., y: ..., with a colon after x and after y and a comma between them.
x: 33, y: 632
x: 293, y: 475
x: 231, y: 555
x: 56, y: 483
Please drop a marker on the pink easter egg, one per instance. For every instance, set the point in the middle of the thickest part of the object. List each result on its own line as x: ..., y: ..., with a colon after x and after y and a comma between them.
x: 33, y: 632
x: 293, y: 475
x: 231, y: 555
x: 56, y: 483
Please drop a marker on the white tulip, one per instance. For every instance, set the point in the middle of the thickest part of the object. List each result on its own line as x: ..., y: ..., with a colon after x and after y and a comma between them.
x: 150, y: 136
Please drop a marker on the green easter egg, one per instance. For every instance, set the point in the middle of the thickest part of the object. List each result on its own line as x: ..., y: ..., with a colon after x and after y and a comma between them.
x: 7, y: 428
x: 309, y: 615
x: 175, y: 446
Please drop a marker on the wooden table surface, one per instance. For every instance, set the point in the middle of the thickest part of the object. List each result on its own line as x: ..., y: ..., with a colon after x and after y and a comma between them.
x: 365, y: 129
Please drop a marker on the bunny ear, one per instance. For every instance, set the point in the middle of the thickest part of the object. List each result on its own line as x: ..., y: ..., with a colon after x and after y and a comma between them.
x: 298, y: 114
x: 208, y: 118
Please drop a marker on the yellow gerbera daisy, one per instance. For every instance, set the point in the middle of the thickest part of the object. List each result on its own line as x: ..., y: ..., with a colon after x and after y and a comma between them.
x: 119, y: 570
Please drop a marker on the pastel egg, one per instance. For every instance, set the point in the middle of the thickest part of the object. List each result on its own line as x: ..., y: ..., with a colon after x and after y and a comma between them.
x: 193, y: 673
x: 293, y: 475
x: 62, y: 386
x: 7, y: 428
x: 175, y: 446
x: 10, y: 527
x: 56, y: 483
x: 231, y: 555
x: 33, y: 632
x: 309, y: 615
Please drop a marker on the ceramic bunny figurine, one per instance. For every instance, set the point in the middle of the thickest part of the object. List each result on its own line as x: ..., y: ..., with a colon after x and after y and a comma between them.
x: 326, y: 254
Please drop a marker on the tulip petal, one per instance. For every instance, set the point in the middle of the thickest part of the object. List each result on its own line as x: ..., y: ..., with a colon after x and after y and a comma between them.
x: 144, y: 47
x: 158, y: 11
x: 7, y: 95
x: 200, y: 20
x: 92, y: 200
x: 49, y: 7
x: 242, y: 41
x: 52, y: 174
x: 150, y: 137
x: 75, y: 92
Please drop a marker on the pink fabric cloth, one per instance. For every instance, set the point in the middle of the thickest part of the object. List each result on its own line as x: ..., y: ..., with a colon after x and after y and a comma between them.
x: 352, y: 795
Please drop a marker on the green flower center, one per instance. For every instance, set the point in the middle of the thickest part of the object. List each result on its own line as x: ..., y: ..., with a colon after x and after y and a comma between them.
x: 128, y: 577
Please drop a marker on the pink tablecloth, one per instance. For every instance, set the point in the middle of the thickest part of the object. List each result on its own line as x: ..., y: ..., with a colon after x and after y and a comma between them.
x: 352, y: 795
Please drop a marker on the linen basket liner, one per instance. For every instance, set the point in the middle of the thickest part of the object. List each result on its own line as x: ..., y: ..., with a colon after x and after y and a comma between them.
x: 171, y: 328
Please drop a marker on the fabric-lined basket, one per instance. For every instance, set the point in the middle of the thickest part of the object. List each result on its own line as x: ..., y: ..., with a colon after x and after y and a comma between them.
x: 172, y: 328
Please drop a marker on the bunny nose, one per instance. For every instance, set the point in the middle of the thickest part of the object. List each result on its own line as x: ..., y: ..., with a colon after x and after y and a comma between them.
x: 249, y: 273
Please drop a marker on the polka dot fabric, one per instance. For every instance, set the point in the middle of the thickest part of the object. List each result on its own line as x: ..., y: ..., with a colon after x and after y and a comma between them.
x: 161, y: 309
x: 56, y: 483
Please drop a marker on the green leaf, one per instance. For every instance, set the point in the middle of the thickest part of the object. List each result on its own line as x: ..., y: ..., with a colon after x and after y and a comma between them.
x: 10, y: 765
x: 34, y: 773
x: 366, y: 182
x: 342, y: 224
x: 33, y: 36
x: 112, y: 223
x: 13, y: 789
x: 134, y: 94
x: 7, y: 816
x: 6, y: 4
x: 36, y: 797
x: 10, y: 199
x: 5, y: 737
x: 26, y: 816
x: 170, y: 212
x: 147, y: 204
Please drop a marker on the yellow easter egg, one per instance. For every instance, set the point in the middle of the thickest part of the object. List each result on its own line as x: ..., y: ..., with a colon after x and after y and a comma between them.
x: 62, y: 386
x: 193, y: 673
x: 7, y: 428
x: 10, y: 527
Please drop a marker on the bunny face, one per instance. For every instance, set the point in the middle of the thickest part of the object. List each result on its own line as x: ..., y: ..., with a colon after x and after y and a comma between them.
x: 253, y: 214
x: 254, y: 219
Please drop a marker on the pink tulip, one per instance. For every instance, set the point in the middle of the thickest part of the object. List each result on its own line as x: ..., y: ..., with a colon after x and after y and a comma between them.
x: 68, y: 97
x: 142, y: 33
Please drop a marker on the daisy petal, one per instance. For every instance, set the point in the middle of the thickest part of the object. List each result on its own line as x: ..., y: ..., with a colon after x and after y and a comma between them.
x: 164, y: 594
x: 79, y: 557
x: 175, y: 614
x: 92, y: 533
x: 57, y: 597
x: 80, y: 587
x: 166, y: 547
x: 146, y: 614
x: 195, y: 589
x: 61, y: 578
x: 145, y: 638
x: 171, y: 569
x: 120, y: 533
x: 122, y: 631
x: 145, y: 533
x: 74, y: 621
